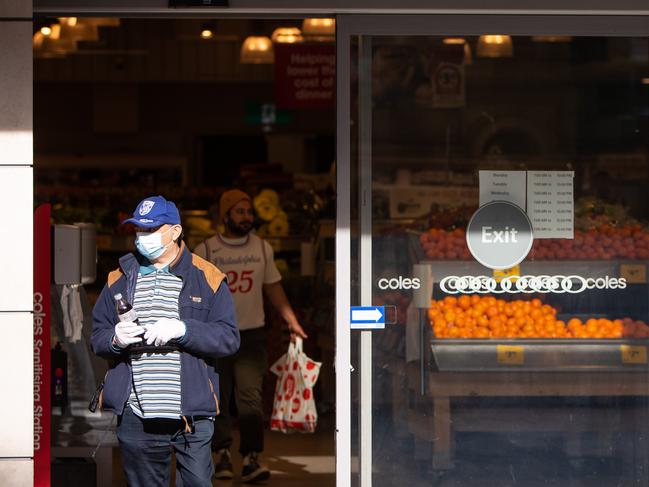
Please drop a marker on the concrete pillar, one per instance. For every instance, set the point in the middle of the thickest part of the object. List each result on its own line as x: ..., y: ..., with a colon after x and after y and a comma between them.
x: 16, y: 213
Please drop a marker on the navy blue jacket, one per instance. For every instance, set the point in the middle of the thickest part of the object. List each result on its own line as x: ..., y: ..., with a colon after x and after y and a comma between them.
x: 204, y: 305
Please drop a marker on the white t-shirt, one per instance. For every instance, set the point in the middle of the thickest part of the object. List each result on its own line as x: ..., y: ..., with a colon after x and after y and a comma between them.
x: 249, y: 263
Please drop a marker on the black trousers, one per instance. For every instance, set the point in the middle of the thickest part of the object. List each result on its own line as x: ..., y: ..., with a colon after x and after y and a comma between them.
x: 241, y: 377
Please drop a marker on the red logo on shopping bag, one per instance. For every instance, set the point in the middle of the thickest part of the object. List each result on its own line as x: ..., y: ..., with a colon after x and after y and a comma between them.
x: 289, y: 386
x: 296, y: 405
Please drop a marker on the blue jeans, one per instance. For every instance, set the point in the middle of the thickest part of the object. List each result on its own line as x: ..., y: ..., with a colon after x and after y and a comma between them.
x: 146, y: 446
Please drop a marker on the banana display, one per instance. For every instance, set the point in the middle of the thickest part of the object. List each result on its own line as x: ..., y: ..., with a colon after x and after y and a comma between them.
x: 267, y: 206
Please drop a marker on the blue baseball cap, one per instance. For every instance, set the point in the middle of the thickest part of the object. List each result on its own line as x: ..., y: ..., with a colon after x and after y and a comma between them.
x: 154, y: 211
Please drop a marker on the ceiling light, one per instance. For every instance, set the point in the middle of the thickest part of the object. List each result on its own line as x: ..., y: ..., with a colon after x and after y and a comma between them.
x: 459, y: 41
x: 287, y: 35
x: 52, y: 31
x: 257, y: 50
x: 70, y: 21
x: 495, y: 46
x: 454, y: 41
x: 207, y: 30
x: 53, y: 45
x: 319, y: 29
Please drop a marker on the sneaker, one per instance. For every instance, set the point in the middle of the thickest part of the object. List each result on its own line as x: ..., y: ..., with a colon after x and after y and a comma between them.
x: 223, y: 468
x: 252, y: 470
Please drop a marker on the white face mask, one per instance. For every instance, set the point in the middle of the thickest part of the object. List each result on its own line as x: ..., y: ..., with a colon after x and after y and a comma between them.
x: 150, y: 244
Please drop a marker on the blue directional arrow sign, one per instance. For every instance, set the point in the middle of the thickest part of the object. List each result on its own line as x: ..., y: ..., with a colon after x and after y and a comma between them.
x: 367, y: 317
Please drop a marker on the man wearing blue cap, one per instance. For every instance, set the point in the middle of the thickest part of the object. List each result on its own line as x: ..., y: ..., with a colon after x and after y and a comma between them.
x: 162, y: 383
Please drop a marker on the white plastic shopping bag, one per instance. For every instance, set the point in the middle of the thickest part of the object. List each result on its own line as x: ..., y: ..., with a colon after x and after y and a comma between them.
x: 293, y: 406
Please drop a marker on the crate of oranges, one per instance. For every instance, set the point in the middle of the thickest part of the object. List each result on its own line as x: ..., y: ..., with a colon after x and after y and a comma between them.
x: 485, y: 317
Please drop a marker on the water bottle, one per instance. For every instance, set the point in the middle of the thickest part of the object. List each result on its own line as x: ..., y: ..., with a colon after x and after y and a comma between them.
x: 125, y: 312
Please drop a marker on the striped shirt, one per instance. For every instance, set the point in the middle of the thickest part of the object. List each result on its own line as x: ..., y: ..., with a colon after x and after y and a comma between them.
x: 156, y: 376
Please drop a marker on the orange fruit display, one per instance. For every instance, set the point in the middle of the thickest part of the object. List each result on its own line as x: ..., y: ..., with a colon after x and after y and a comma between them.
x: 604, y: 243
x: 487, y: 317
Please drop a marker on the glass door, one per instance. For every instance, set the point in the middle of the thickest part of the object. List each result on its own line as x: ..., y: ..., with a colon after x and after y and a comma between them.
x: 493, y: 221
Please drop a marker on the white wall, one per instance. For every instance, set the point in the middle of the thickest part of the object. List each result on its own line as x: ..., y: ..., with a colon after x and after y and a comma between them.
x: 16, y: 213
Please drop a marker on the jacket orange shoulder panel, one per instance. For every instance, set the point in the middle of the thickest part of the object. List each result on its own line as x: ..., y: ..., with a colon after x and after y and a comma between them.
x: 114, y: 276
x: 212, y: 273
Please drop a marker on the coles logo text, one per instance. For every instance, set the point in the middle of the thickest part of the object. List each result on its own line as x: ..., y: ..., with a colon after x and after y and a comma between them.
x: 528, y: 284
x: 399, y: 283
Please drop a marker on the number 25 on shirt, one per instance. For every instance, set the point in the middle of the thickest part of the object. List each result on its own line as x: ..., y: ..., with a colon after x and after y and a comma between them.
x: 240, y: 283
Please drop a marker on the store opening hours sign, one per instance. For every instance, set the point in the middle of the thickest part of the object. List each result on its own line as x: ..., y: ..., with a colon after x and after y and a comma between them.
x: 305, y: 76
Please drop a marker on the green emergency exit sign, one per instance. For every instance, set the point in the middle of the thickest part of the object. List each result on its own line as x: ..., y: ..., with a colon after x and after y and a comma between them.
x: 267, y: 114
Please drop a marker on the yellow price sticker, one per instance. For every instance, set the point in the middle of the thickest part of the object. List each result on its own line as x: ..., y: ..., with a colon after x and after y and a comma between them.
x: 500, y: 274
x: 634, y: 273
x: 633, y: 354
x: 510, y: 354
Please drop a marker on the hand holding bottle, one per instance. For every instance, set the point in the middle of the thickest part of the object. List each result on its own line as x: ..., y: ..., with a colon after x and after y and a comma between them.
x: 128, y: 330
x: 127, y: 333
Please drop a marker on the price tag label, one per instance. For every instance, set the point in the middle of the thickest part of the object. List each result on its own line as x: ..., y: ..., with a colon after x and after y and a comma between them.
x: 633, y: 354
x: 634, y: 273
x: 500, y: 274
x: 510, y: 355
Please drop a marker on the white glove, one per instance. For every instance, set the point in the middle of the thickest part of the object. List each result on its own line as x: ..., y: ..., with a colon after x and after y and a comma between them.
x: 163, y: 330
x: 127, y: 333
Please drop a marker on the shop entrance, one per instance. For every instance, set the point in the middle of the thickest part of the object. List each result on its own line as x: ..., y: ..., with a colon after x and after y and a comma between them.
x: 423, y: 105
x: 486, y: 373
x: 127, y: 108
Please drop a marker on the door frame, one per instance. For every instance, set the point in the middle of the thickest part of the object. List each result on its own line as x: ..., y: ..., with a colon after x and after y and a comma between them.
x: 527, y: 23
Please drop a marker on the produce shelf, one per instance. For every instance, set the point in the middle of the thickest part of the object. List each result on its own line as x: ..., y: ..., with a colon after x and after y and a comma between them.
x: 584, y: 268
x: 569, y: 355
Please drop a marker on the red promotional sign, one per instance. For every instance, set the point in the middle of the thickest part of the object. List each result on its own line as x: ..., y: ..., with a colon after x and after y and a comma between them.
x: 42, y: 407
x: 305, y: 76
